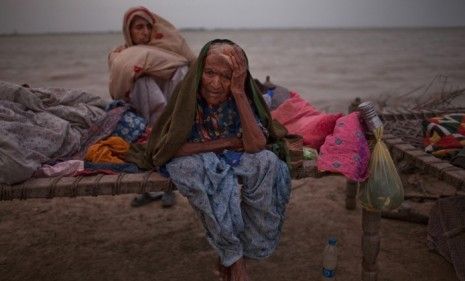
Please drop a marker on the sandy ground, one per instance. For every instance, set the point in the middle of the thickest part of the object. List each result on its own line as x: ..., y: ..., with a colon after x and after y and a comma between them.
x: 103, y: 238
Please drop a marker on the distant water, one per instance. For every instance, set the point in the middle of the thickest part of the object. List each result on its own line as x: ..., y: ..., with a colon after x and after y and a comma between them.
x: 327, y: 67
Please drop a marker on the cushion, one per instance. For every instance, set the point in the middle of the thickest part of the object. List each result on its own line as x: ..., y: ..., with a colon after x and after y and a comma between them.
x: 346, y: 150
x: 301, y: 118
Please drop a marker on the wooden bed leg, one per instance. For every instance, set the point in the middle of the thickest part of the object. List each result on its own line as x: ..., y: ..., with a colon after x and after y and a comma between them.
x: 370, y: 244
x: 351, y: 194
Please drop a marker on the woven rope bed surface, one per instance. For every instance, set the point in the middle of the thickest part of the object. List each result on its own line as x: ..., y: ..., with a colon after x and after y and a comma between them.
x: 106, y: 184
x: 404, y: 136
x: 85, y: 186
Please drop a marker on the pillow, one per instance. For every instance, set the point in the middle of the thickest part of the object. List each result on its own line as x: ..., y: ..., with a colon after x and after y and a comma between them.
x: 299, y: 117
x: 292, y: 109
x: 315, y: 128
x: 130, y: 127
x: 346, y: 151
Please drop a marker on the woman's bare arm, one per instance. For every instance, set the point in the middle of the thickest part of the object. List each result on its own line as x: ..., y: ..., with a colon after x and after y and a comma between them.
x: 191, y: 148
x: 253, y: 138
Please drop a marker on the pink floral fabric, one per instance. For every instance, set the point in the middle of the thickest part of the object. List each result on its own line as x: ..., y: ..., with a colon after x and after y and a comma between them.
x: 346, y: 151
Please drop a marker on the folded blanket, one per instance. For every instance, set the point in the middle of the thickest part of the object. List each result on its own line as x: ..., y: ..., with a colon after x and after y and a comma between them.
x: 109, y: 150
x: 38, y: 125
x: 444, y: 136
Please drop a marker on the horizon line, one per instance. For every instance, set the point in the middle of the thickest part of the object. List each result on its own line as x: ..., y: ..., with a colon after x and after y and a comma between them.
x: 203, y: 29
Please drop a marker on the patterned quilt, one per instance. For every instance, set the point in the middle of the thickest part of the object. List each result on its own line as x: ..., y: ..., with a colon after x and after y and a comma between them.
x: 444, y: 136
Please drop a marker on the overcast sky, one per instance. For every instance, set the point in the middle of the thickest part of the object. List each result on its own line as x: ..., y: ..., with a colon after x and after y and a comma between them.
x: 38, y: 16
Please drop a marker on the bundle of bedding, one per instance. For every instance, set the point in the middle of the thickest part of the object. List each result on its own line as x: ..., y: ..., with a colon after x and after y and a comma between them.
x: 339, y: 139
x: 39, y: 125
x: 63, y: 132
x: 55, y: 132
x: 444, y: 137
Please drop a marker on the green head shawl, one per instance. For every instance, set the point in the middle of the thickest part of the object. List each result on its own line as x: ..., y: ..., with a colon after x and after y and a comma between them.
x: 174, y: 126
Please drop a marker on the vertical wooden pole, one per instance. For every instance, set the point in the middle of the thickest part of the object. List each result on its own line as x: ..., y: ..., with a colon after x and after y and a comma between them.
x: 351, y: 194
x: 370, y: 244
x: 371, y: 220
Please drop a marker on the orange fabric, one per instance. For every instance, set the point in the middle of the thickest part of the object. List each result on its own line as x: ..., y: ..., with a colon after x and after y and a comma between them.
x: 107, y: 151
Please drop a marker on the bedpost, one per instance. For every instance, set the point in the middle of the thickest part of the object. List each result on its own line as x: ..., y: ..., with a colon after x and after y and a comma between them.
x: 371, y: 219
x: 371, y: 242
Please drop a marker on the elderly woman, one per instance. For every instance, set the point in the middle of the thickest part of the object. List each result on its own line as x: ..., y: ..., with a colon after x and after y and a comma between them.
x: 146, y: 69
x: 211, y: 137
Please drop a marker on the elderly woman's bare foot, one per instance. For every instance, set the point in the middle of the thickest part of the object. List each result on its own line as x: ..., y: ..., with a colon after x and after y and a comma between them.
x: 239, y: 271
x: 222, y: 271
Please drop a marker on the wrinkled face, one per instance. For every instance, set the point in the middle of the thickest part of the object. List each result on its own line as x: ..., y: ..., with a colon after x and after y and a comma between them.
x: 216, y: 79
x: 140, y: 30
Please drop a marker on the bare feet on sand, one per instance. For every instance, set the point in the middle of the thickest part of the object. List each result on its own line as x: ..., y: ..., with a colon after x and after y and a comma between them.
x: 222, y: 271
x: 238, y: 271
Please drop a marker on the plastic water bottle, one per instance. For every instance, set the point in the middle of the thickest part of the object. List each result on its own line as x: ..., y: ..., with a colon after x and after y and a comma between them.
x: 369, y: 115
x: 329, y: 260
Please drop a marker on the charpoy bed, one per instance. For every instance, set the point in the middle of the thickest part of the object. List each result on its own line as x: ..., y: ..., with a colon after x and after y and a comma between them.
x: 401, y: 128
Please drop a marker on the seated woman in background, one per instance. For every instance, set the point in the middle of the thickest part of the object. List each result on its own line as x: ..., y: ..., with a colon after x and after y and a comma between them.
x: 146, y: 69
x: 214, y: 131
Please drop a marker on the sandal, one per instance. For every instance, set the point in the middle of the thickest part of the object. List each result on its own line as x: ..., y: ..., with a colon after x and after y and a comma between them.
x: 146, y: 198
x: 168, y: 199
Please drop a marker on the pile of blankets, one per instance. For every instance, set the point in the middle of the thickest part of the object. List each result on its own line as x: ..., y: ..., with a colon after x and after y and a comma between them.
x: 51, y: 132
x: 37, y: 125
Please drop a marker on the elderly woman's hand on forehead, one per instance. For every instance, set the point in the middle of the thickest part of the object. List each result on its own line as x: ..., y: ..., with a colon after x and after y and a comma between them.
x: 239, y: 68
